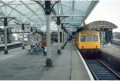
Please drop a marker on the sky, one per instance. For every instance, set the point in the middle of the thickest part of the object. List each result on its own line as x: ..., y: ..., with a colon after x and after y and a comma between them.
x: 106, y: 10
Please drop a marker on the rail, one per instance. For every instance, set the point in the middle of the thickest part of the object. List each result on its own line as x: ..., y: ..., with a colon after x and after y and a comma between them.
x: 101, y: 71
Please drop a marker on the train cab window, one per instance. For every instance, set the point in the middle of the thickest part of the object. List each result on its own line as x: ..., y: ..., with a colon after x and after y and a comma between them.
x: 89, y: 39
x: 95, y: 38
x: 83, y: 38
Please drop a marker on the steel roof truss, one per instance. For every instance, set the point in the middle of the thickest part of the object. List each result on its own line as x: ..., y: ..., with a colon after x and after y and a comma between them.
x: 30, y: 9
x: 12, y: 10
x: 16, y: 10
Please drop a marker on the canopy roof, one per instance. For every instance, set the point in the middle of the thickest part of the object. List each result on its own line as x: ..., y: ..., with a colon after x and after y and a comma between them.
x: 99, y: 25
x: 31, y: 12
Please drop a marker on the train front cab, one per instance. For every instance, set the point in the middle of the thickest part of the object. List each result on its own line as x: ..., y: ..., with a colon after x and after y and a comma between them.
x: 89, y: 44
x: 88, y: 39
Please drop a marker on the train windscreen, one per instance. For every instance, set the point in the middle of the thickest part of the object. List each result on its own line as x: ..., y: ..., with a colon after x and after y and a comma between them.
x: 95, y: 38
x: 83, y: 38
x: 89, y: 38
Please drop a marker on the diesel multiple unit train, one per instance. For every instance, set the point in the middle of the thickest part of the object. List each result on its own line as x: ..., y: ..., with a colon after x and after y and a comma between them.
x: 87, y: 40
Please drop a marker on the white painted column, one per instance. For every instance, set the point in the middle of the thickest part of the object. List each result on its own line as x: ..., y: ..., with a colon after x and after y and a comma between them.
x: 48, y: 60
x: 48, y: 36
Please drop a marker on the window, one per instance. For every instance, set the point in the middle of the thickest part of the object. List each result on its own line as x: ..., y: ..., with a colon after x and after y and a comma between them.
x: 83, y: 38
x: 95, y: 38
x: 89, y: 39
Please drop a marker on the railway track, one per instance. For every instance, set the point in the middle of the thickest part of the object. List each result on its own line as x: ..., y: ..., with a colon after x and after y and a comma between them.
x: 101, y: 71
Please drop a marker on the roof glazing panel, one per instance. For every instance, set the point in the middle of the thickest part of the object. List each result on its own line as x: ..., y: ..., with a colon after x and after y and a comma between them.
x: 29, y: 11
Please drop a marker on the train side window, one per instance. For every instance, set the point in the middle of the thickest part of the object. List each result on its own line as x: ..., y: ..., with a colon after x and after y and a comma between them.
x: 95, y: 38
x: 89, y: 39
x: 83, y: 38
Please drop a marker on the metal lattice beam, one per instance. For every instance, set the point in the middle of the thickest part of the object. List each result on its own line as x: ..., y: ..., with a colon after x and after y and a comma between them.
x: 30, y: 9
x: 17, y: 10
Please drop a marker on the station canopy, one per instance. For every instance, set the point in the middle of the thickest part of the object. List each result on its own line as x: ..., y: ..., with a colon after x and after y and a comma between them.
x: 72, y: 12
x: 100, y: 25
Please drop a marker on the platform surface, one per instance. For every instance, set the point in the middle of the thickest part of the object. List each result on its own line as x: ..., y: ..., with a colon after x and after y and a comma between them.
x: 17, y: 65
x: 111, y: 49
x: 68, y: 66
x: 8, y: 44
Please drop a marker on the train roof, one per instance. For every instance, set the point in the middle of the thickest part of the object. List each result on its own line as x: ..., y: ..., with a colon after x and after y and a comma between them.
x: 80, y: 29
x: 89, y: 32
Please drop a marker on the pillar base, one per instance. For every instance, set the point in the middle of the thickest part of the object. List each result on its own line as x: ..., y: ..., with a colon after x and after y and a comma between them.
x: 58, y: 51
x: 5, y: 51
x: 48, y: 62
x: 23, y: 47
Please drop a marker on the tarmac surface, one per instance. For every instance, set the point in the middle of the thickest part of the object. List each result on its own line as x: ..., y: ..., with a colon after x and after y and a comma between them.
x: 111, y: 49
x: 17, y: 65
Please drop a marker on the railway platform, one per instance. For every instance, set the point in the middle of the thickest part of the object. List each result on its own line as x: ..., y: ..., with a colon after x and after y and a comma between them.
x: 111, y: 54
x: 11, y: 45
x: 68, y: 65
x: 116, y: 41
x: 111, y: 49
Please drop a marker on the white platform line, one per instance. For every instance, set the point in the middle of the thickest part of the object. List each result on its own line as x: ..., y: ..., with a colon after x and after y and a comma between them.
x: 89, y: 73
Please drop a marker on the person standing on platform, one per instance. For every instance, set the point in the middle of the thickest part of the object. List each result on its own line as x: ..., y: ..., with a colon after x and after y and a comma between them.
x: 43, y: 46
x: 45, y: 51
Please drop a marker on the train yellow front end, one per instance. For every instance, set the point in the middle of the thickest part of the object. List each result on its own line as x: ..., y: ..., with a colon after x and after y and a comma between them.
x: 88, y: 40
